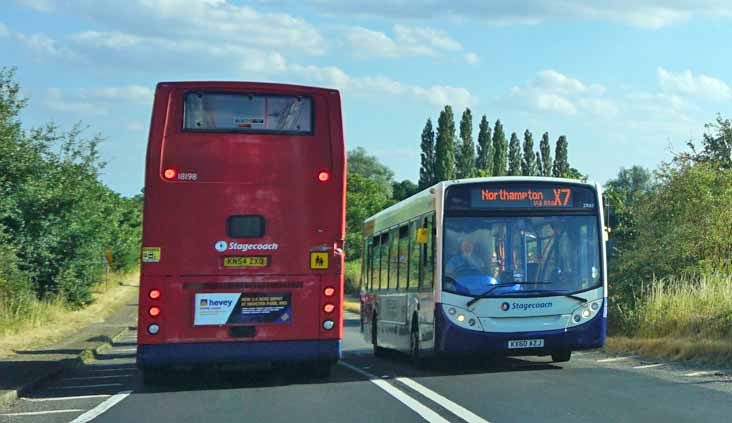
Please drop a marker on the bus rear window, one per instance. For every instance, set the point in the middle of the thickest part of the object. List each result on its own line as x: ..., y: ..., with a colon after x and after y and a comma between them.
x: 223, y: 112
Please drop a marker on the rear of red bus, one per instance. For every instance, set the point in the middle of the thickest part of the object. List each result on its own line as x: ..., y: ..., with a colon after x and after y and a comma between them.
x: 243, y: 226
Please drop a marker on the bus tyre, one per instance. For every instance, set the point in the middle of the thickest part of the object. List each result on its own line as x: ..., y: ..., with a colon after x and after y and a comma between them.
x: 417, y: 360
x: 153, y: 377
x: 561, y: 356
x: 378, y: 351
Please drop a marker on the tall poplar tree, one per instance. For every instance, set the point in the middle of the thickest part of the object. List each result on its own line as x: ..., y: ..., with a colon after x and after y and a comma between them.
x: 427, y: 169
x: 445, y: 146
x: 500, y: 150
x: 465, y: 153
x: 546, y: 155
x: 561, y: 160
x: 484, y: 163
x: 514, y: 156
x: 528, y: 164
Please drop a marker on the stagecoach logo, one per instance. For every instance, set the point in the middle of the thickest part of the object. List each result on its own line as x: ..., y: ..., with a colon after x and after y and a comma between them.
x: 505, y: 306
x: 222, y: 246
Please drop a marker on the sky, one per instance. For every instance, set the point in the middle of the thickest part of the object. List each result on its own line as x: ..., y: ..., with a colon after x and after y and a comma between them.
x: 627, y: 81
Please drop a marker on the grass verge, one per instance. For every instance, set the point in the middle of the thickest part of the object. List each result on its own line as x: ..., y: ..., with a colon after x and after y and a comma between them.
x: 44, y: 323
x: 682, y: 318
x: 352, y: 304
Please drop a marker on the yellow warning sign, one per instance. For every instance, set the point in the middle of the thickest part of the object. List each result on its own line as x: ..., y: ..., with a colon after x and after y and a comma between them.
x: 422, y: 235
x: 108, y: 256
x: 318, y: 260
x: 150, y: 254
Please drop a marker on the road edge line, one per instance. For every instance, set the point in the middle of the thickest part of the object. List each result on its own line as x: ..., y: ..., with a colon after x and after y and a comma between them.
x: 102, y: 407
x: 443, y: 402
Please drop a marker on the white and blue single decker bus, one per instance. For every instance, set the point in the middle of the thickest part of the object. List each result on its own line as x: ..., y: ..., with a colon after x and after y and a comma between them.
x: 507, y: 266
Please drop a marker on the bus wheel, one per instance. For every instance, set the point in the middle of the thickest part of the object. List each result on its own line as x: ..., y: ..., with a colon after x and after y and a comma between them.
x: 378, y: 351
x: 153, y: 377
x: 561, y: 356
x: 417, y: 360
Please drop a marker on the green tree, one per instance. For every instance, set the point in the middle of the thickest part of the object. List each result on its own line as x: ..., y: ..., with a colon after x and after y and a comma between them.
x: 445, y: 146
x: 362, y: 163
x: 465, y: 153
x: 404, y: 189
x: 546, y: 155
x: 484, y: 162
x: 427, y: 168
x: 500, y: 150
x: 561, y: 162
x: 514, y: 156
x: 364, y: 197
x: 528, y: 163
x: 717, y: 144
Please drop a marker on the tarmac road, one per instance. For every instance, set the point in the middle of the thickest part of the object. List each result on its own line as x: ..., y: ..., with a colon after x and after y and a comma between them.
x: 591, y: 388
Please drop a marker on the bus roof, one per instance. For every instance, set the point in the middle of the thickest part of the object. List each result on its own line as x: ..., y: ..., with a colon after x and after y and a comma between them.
x: 423, y: 201
x: 244, y: 85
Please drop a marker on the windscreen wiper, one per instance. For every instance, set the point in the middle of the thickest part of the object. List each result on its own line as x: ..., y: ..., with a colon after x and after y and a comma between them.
x: 550, y: 293
x: 488, y: 292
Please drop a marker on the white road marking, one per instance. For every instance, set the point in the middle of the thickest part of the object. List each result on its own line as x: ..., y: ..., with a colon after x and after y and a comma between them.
x: 705, y: 373
x: 101, y: 408
x: 104, y: 385
x: 448, y: 405
x: 67, y: 398
x: 124, y: 350
x: 402, y: 397
x: 38, y: 413
x: 97, y: 377
x: 114, y: 369
x: 611, y: 360
x: 649, y: 366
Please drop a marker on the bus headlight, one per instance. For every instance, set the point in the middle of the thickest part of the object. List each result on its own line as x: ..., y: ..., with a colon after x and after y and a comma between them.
x: 451, y: 311
x: 461, y: 317
x: 586, y: 313
x: 595, y: 306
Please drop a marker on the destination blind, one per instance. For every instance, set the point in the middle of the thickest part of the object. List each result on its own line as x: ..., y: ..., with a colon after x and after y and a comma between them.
x: 523, y: 196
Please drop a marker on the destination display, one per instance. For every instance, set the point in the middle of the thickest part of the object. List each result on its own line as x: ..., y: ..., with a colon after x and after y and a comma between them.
x: 524, y: 196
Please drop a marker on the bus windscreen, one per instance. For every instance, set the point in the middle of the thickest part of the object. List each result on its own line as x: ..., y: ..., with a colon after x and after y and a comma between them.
x: 523, y: 196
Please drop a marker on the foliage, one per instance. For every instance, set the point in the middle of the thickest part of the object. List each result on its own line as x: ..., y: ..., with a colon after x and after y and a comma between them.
x: 427, y: 168
x: 717, y: 146
x: 58, y: 218
x: 561, y: 161
x: 404, y: 189
x: 484, y: 162
x: 362, y: 163
x: 465, y: 153
x: 445, y: 146
x: 528, y: 162
x: 364, y: 197
x: 352, y: 277
x: 546, y: 155
x: 500, y: 153
x: 514, y: 156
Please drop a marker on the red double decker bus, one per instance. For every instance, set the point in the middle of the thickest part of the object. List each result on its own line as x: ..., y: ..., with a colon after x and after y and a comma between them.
x: 244, y: 223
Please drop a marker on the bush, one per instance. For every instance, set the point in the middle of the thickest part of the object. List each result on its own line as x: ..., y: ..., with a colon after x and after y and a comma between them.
x: 352, y: 277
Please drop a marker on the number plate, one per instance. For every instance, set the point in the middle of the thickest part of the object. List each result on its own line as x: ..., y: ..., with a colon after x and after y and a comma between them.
x: 248, y: 261
x: 526, y: 343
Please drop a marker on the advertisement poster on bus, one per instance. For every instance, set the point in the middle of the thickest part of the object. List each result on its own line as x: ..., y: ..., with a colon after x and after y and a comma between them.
x: 242, y: 308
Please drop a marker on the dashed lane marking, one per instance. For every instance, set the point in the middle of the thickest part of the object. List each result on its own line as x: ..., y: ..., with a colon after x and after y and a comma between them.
x: 103, y: 385
x: 649, y: 366
x: 98, y: 377
x: 38, y: 413
x: 613, y: 359
x: 101, y: 408
x: 445, y: 403
x: 78, y: 397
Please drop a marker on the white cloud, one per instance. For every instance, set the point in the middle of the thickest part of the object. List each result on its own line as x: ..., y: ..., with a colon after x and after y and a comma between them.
x: 217, y: 23
x: 650, y: 14
x: 39, y: 43
x: 599, y: 107
x: 4, y: 31
x: 407, y: 41
x: 57, y: 101
x: 555, y: 92
x: 436, y: 95
x: 472, y: 58
x: 136, y: 126
x: 131, y: 93
x: 40, y: 5
x: 702, y: 86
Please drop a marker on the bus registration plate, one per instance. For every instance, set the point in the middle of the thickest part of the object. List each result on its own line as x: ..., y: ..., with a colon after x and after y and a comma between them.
x: 526, y: 343
x: 246, y: 261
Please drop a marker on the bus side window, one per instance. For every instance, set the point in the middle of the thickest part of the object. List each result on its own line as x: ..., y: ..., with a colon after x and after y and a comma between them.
x: 428, y: 252
x: 375, y: 260
x: 368, y: 255
x: 414, y: 259
x: 384, y: 261
x: 403, y: 257
x: 393, y: 259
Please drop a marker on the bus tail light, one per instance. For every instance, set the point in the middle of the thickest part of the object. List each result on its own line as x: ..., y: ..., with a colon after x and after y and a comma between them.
x: 153, y: 329
x: 154, y: 311
x: 328, y: 308
x: 323, y: 176
x: 154, y: 294
x: 170, y: 173
x: 329, y: 291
